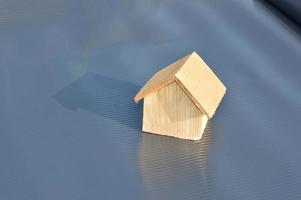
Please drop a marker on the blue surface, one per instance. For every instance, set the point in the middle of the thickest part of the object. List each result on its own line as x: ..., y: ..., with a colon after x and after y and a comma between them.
x: 69, y: 128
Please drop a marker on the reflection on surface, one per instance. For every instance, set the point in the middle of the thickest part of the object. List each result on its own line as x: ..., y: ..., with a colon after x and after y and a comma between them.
x: 83, y: 144
x: 173, y: 168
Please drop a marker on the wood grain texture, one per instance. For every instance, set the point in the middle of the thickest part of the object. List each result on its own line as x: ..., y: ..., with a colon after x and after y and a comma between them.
x: 201, y: 84
x: 196, y: 79
x: 171, y: 112
x: 163, y: 77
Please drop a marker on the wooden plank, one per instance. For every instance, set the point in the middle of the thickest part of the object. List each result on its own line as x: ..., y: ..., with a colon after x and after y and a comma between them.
x: 171, y: 112
x: 201, y: 83
x: 162, y: 78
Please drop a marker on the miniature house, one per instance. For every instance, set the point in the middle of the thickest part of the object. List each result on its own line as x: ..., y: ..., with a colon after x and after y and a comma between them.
x: 180, y: 98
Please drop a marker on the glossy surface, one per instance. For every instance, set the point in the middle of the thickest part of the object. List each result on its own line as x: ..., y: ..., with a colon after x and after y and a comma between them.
x: 69, y: 128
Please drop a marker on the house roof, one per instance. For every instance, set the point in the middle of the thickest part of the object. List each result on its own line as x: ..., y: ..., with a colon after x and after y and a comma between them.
x: 196, y: 79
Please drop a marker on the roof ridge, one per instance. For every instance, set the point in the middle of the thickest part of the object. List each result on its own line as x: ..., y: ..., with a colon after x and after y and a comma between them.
x: 162, y: 78
x: 184, y: 62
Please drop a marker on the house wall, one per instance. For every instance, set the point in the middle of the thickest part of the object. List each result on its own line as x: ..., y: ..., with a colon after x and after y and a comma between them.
x: 171, y: 112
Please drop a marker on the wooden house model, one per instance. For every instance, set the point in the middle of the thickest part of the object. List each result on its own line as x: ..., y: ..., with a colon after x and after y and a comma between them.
x: 180, y: 98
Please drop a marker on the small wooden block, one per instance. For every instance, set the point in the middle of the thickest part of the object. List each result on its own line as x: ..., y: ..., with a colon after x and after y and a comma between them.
x: 179, y: 99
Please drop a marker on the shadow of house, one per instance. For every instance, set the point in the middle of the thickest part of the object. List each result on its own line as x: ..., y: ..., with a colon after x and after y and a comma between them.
x: 103, y: 96
x: 172, y: 168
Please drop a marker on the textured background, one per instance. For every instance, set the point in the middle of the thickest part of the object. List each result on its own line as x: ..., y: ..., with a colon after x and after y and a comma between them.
x: 69, y: 128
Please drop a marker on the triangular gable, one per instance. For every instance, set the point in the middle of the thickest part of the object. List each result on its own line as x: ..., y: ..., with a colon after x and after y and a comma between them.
x: 162, y: 78
x: 197, y: 80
